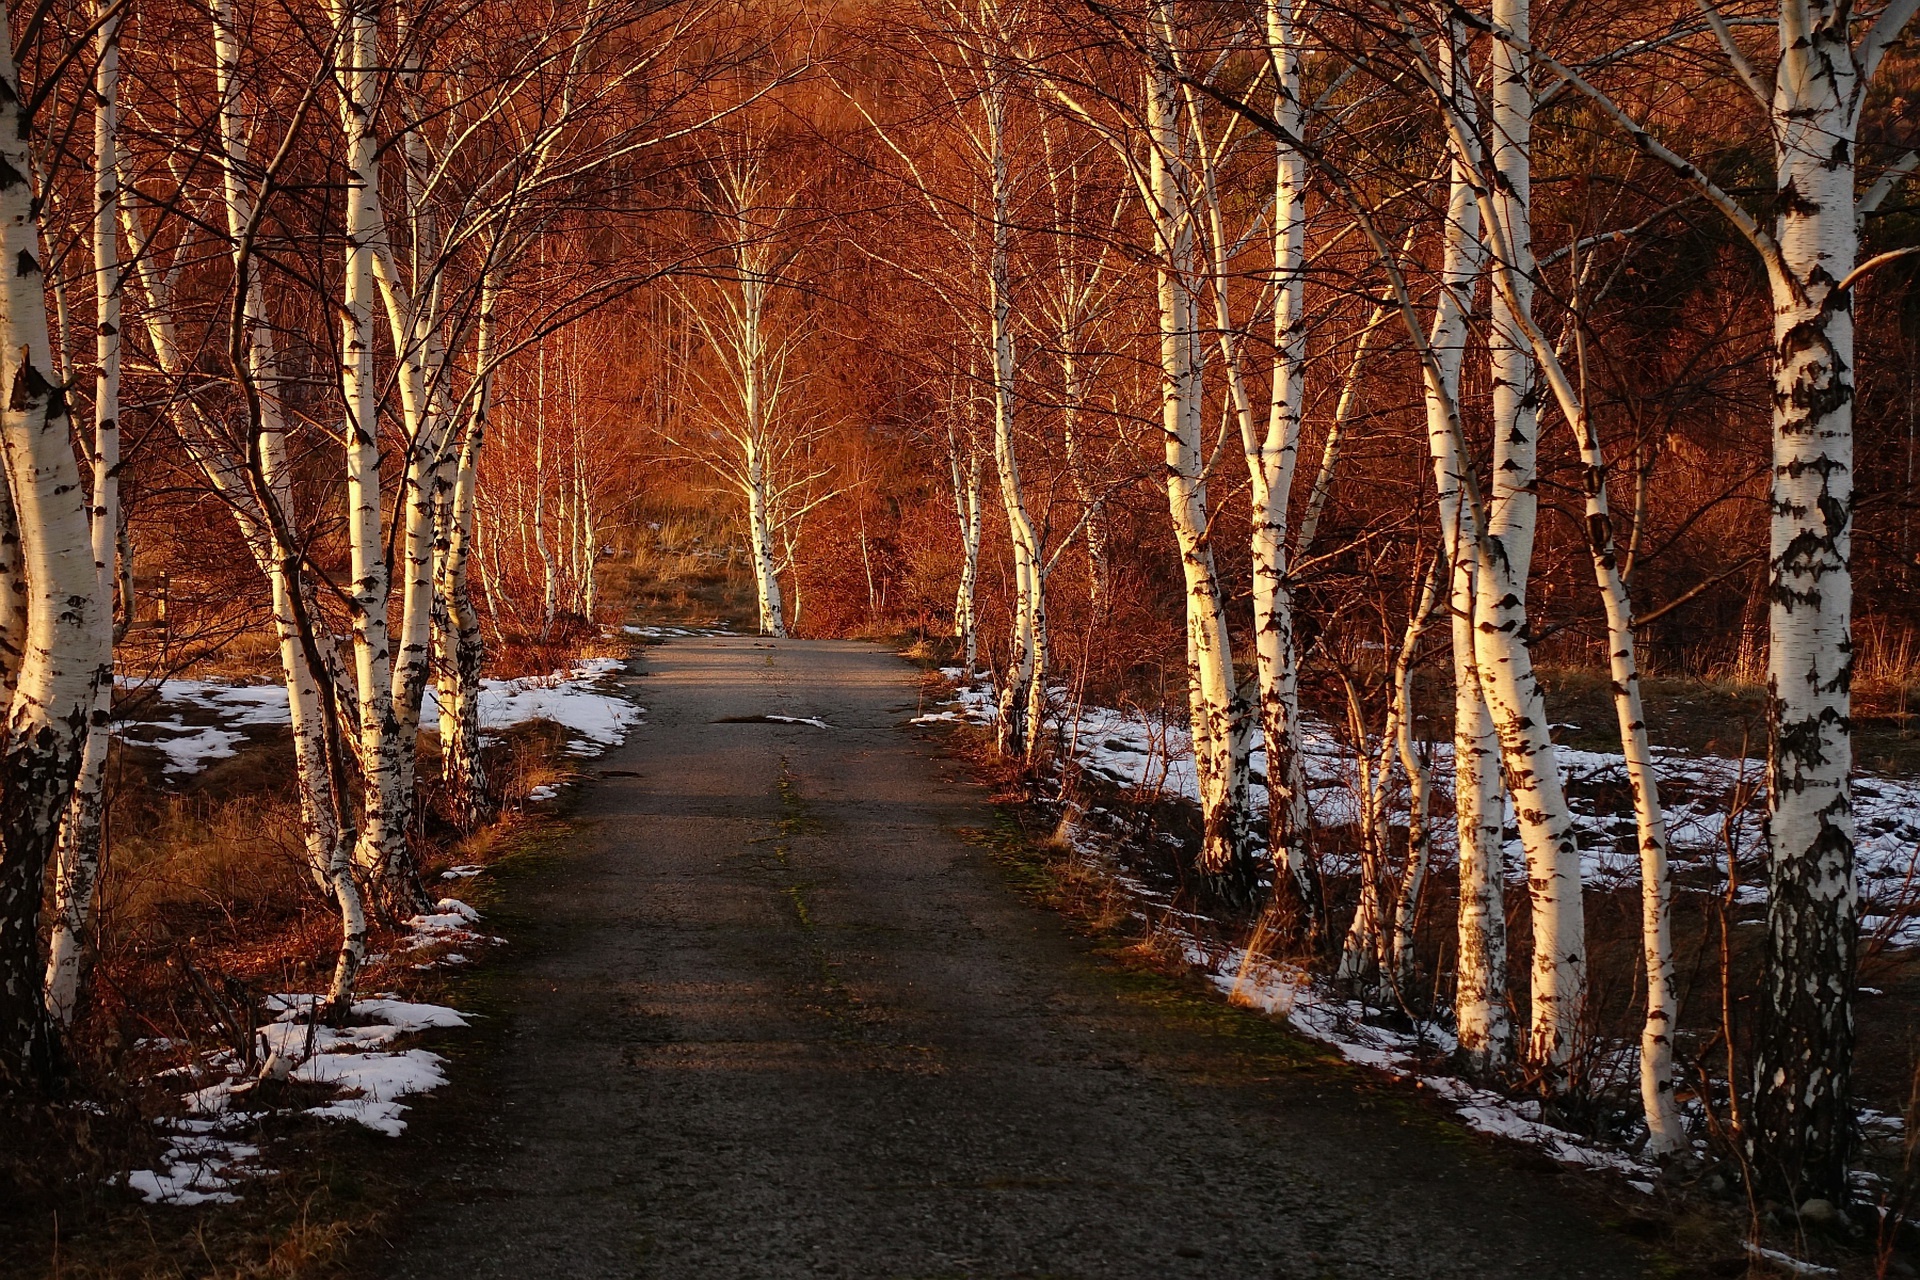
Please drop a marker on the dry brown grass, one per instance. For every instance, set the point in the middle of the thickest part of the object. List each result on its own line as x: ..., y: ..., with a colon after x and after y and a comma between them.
x: 683, y: 566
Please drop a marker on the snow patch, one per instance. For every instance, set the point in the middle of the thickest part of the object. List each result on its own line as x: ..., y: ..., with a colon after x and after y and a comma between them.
x: 1711, y: 803
x: 203, y: 1165
x: 593, y: 718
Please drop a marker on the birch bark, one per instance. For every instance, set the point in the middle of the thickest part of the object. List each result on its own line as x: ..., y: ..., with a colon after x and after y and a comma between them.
x: 1802, y: 1112
x: 1480, y: 986
x: 78, y: 860
x: 381, y: 852
x: 1507, y: 681
x: 62, y: 657
x: 317, y: 747
x: 1216, y: 713
x: 1271, y: 467
x: 966, y: 505
x: 461, y: 646
x: 1666, y: 1133
x: 1021, y: 713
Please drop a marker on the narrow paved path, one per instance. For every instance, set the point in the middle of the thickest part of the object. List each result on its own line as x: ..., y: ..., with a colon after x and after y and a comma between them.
x: 773, y: 1015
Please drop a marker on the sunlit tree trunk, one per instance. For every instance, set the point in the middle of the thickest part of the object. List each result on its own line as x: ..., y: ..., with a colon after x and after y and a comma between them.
x: 318, y: 768
x: 1666, y: 1134
x: 1413, y: 877
x: 382, y: 849
x: 766, y: 577
x: 1026, y: 661
x: 750, y: 320
x: 63, y: 651
x: 1374, y: 940
x: 81, y: 833
x: 462, y: 649
x: 1480, y: 991
x: 549, y: 573
x: 1217, y: 714
x: 1272, y: 465
x: 966, y: 506
x: 1802, y: 1111
x: 263, y: 513
x: 1531, y: 768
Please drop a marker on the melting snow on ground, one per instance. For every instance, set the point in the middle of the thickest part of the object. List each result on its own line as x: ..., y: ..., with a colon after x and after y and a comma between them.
x: 1711, y: 803
x: 670, y: 633
x: 192, y: 723
x: 207, y: 1150
x: 1143, y: 752
x: 451, y: 925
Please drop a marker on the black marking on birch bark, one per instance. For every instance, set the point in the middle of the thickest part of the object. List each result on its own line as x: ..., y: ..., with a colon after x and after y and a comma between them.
x: 29, y: 387
x: 1599, y: 533
x: 1789, y: 202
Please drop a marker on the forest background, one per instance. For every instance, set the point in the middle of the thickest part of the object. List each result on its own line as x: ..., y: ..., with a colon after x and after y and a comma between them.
x: 1180, y: 362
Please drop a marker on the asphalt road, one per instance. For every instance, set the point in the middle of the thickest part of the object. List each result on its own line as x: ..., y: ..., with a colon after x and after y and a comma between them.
x: 772, y: 1014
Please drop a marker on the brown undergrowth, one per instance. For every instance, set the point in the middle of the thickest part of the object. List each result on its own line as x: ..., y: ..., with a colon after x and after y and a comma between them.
x: 206, y: 900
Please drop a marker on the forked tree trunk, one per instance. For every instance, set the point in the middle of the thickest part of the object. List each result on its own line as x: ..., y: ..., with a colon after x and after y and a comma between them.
x: 1271, y: 469
x: 1480, y: 988
x: 382, y: 848
x: 62, y: 655
x: 319, y: 770
x: 1369, y: 955
x: 264, y: 515
x: 1026, y: 660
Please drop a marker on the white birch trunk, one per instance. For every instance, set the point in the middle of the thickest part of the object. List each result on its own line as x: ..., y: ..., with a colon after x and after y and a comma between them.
x: 1480, y: 990
x: 78, y: 865
x: 549, y: 573
x: 766, y: 577
x: 1506, y: 667
x: 381, y: 852
x: 966, y: 505
x: 1271, y: 468
x: 1026, y: 670
x: 62, y: 655
x: 1666, y: 1133
x: 1217, y: 715
x: 1399, y: 952
x: 1803, y: 1122
x: 316, y: 747
x: 462, y: 648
